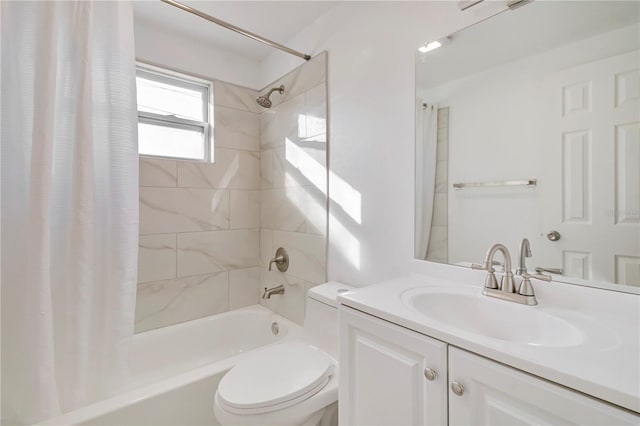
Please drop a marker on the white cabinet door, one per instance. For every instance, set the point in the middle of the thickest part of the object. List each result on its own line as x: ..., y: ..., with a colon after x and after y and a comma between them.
x: 382, y: 374
x: 495, y: 394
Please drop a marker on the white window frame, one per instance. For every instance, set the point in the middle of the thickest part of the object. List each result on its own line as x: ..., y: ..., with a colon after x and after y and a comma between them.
x: 178, y: 79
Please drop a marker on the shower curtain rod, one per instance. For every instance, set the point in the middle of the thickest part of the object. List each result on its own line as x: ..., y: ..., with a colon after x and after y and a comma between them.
x: 236, y: 29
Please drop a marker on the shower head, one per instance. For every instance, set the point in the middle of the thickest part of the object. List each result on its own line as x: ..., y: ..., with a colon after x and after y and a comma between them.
x: 264, y: 100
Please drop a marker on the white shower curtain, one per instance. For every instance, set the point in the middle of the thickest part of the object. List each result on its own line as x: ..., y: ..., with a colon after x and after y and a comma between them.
x: 426, y: 140
x: 69, y: 203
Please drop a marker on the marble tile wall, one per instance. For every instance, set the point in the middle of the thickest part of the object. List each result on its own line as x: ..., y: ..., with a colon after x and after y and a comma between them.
x: 438, y: 238
x: 199, y: 248
x: 293, y: 186
x: 208, y: 230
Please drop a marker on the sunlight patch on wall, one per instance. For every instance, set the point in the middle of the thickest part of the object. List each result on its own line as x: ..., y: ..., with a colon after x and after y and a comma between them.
x: 343, y: 194
x: 344, y: 241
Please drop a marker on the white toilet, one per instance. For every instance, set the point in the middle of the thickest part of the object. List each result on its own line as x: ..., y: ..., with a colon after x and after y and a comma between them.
x: 294, y: 383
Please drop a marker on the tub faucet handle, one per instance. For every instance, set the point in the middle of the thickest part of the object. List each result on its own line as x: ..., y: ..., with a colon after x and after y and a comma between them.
x: 281, y: 260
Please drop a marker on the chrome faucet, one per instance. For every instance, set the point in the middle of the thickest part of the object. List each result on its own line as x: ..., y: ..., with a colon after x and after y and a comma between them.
x: 525, y: 251
x: 268, y: 292
x: 506, y: 290
x: 506, y: 284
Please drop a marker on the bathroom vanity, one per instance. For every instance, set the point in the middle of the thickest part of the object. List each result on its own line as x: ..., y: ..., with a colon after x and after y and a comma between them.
x: 526, y: 139
x: 427, y: 349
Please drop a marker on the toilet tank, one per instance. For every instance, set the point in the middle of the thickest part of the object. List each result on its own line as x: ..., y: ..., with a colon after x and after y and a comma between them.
x: 321, y: 319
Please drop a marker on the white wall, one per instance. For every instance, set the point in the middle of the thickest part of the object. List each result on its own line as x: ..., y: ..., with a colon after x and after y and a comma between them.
x: 371, y: 49
x: 161, y: 47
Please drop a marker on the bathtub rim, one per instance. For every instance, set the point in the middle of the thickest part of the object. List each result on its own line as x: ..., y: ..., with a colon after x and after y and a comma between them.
x: 132, y: 396
x: 209, y: 318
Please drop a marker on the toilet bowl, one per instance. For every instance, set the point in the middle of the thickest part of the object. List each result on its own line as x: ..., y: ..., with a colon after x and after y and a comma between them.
x: 293, y: 383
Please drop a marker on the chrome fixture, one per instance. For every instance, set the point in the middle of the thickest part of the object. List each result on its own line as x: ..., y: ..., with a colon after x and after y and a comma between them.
x: 466, y: 4
x: 525, y: 251
x: 506, y: 284
x: 553, y: 236
x: 491, y: 184
x: 506, y: 291
x: 275, y: 328
x: 526, y: 289
x: 236, y: 29
x: 268, y: 292
x: 557, y: 271
x: 457, y: 388
x: 430, y: 374
x: 281, y: 260
x: 514, y: 4
x: 264, y: 100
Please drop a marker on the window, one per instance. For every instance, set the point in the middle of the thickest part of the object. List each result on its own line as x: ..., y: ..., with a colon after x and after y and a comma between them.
x: 174, y: 115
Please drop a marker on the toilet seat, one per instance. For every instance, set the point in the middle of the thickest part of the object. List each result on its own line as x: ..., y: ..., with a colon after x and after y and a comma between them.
x: 275, y: 378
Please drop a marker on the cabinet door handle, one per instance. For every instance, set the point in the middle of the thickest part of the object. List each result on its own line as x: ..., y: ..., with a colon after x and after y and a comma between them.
x: 430, y: 374
x: 457, y: 388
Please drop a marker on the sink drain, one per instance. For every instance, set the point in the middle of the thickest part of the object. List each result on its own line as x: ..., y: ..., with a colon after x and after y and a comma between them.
x: 275, y: 328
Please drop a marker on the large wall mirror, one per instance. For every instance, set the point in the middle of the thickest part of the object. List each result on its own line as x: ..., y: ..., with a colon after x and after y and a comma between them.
x: 527, y: 126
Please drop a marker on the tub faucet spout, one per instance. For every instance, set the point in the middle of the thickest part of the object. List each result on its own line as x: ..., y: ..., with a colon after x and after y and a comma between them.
x: 268, y: 292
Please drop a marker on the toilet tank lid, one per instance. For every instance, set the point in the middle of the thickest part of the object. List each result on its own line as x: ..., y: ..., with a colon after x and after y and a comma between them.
x: 327, y: 293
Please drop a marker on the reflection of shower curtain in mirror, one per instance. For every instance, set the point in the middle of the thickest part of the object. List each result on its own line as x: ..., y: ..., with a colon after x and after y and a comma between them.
x: 426, y: 140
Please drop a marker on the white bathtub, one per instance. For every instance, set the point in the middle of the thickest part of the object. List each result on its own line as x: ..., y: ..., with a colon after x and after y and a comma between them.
x: 175, y: 370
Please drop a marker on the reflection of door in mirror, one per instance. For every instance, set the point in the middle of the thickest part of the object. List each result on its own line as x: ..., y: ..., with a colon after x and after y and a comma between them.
x: 592, y: 152
x: 559, y: 107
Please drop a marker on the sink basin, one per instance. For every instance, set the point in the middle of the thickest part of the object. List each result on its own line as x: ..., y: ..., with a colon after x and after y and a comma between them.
x: 468, y: 310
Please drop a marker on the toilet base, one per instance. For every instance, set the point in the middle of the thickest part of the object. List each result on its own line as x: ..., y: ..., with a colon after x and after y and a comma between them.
x: 326, y: 417
x: 292, y: 416
x: 319, y: 418
x: 329, y: 416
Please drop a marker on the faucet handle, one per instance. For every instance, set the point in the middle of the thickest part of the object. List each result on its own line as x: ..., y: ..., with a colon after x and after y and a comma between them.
x: 540, y: 277
x: 491, y: 281
x: 281, y: 260
x: 557, y: 271
x: 484, y: 267
x: 526, y: 289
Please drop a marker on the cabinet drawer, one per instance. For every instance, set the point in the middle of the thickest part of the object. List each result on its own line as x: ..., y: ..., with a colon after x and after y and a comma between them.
x: 493, y: 393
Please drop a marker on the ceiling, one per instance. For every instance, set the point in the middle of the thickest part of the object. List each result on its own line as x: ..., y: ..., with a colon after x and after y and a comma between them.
x: 275, y: 20
x: 512, y: 35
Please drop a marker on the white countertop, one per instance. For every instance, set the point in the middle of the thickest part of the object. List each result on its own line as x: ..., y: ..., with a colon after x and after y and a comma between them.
x: 606, y: 365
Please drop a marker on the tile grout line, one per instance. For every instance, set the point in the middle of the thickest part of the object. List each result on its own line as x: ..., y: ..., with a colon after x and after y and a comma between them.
x: 225, y: 271
x: 176, y: 274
